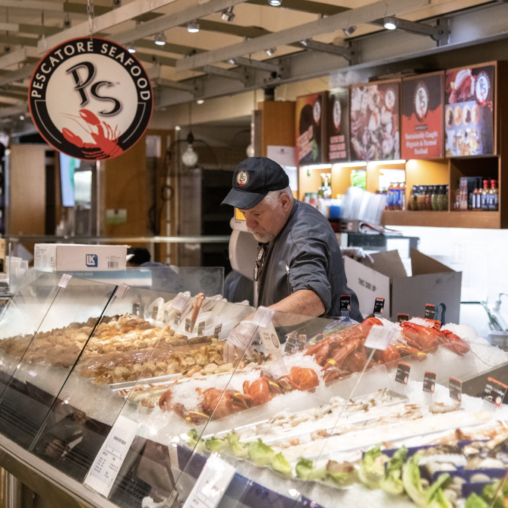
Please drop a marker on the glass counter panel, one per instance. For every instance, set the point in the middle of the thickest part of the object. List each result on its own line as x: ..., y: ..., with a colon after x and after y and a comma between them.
x: 140, y: 347
x: 50, y: 354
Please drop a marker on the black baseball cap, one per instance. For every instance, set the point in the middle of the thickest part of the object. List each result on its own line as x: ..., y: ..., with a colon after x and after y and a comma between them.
x: 253, y: 179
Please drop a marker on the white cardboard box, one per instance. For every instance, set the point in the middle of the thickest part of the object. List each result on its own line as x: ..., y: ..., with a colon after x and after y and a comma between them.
x: 57, y: 257
x: 431, y: 282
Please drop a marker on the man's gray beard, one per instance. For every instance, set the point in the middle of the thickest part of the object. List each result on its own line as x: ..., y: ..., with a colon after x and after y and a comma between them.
x: 262, y: 239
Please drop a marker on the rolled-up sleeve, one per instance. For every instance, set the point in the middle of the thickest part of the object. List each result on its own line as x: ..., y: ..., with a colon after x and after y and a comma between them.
x: 308, y: 269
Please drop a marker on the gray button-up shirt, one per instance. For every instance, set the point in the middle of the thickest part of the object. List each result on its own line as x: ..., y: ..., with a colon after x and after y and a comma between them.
x: 306, y: 255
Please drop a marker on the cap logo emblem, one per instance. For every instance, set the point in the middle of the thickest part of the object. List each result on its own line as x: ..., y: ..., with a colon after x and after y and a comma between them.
x: 242, y: 178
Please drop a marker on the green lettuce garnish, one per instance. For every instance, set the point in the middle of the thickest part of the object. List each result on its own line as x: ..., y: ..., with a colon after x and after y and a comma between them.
x: 340, y: 473
x: 475, y: 501
x: 305, y: 470
x: 372, y: 470
x: 260, y: 453
x: 281, y: 465
x: 392, y: 482
x: 240, y: 450
x: 215, y: 444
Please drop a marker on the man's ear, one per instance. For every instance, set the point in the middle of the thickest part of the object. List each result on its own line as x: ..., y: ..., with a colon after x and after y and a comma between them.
x: 285, y: 201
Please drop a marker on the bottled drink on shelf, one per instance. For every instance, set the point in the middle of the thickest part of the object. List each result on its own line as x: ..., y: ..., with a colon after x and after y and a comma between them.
x: 411, y: 205
x: 485, y: 196
x: 493, y: 205
x: 435, y: 198
x: 456, y: 205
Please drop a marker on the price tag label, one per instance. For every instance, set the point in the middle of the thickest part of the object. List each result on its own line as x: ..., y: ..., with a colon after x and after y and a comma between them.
x: 379, y: 337
x: 379, y: 306
x: 165, y: 318
x: 122, y: 290
x: 64, y: 280
x: 211, y: 484
x: 345, y: 305
x: 402, y: 375
x: 402, y: 317
x: 494, y: 392
x: 180, y: 301
x: 430, y: 311
x: 135, y: 309
x: 269, y: 338
x: 217, y: 330
x: 455, y: 387
x: 201, y: 327
x: 110, y: 458
x: 178, y: 317
x: 263, y: 316
x: 429, y: 381
x: 155, y: 312
x: 188, y: 325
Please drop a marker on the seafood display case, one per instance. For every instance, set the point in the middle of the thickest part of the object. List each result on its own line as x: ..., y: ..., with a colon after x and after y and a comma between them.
x: 131, y: 397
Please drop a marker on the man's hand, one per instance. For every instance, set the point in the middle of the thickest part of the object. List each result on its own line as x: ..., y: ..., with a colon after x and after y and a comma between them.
x: 238, y: 341
x: 356, y: 253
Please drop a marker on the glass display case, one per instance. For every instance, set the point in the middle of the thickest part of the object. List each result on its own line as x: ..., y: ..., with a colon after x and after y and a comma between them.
x: 151, y: 399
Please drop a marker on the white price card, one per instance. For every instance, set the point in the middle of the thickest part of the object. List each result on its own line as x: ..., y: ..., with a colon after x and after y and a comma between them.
x: 211, y: 484
x: 65, y: 280
x: 263, y: 316
x: 379, y: 337
x: 180, y: 301
x: 269, y: 338
x: 110, y: 458
x: 121, y: 291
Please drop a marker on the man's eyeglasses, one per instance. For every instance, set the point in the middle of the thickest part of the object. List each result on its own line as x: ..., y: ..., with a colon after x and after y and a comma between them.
x: 260, y: 260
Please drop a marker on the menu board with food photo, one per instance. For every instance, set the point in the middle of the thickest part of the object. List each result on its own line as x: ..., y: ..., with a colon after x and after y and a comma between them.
x: 469, y: 110
x: 338, y: 125
x: 375, y: 121
x: 310, y: 129
x: 422, y: 116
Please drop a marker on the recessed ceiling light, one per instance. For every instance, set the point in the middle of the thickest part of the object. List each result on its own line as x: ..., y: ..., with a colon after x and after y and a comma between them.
x: 193, y: 27
x: 160, y: 39
x: 390, y: 23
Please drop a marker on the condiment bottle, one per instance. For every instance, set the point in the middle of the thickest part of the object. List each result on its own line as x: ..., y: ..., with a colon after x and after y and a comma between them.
x: 402, y: 203
x: 411, y: 205
x: 434, y: 200
x: 421, y: 198
x: 485, y: 195
x: 493, y: 196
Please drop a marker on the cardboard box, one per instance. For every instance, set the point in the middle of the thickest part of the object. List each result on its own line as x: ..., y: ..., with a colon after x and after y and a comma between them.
x: 431, y: 282
x: 56, y: 257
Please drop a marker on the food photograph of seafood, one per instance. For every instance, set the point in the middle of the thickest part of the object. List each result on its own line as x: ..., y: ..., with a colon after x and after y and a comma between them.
x: 469, y: 110
x: 375, y: 121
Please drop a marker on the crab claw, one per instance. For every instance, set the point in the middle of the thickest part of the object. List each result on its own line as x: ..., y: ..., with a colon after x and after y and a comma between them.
x: 72, y: 138
x: 89, y: 117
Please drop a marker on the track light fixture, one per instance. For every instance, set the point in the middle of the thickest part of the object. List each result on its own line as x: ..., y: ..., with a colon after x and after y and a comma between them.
x: 193, y: 27
x: 160, y: 39
x: 275, y: 3
x: 439, y: 32
x: 228, y: 15
x: 131, y: 48
x: 270, y: 51
x: 350, y: 30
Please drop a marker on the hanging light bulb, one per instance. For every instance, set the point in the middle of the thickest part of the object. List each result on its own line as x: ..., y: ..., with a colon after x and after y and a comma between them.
x: 275, y: 3
x: 250, y: 150
x: 390, y: 23
x: 228, y: 15
x: 190, y: 157
x: 160, y: 39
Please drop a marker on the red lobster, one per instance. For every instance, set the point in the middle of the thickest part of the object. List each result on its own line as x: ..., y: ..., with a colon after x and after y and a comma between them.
x: 106, y: 139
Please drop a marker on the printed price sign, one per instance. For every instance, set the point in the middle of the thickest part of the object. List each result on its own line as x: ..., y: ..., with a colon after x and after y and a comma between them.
x: 429, y: 381
x: 64, y: 280
x: 180, y: 301
x: 379, y: 306
x: 178, y: 318
x: 217, y: 330
x: 345, y: 305
x: 430, y: 311
x: 269, y: 338
x: 455, y: 387
x: 379, y: 337
x: 201, y: 327
x: 494, y: 392
x: 188, y: 325
x: 402, y: 317
x: 263, y: 316
x: 402, y: 375
x: 121, y: 290
x: 165, y: 318
x: 155, y: 312
x: 211, y: 484
x: 109, y: 460
x: 135, y: 309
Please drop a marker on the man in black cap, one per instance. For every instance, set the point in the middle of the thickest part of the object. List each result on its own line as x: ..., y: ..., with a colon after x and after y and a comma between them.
x: 299, y: 266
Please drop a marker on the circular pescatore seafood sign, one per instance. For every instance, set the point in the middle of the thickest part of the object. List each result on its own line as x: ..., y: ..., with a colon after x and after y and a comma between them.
x: 90, y: 98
